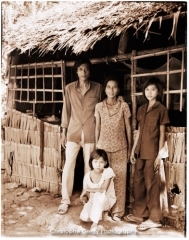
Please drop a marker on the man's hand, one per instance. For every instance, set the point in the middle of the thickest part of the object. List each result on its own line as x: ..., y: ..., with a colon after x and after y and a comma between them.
x: 64, y: 141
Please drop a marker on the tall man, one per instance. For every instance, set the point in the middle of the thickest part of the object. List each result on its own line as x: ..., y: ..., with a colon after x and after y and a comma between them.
x: 78, y: 123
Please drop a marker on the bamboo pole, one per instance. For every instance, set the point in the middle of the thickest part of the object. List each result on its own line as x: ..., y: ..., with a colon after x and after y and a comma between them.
x: 159, y: 53
x: 133, y: 89
x: 39, y: 76
x: 134, y: 121
x: 114, y: 58
x: 157, y: 73
x: 57, y: 101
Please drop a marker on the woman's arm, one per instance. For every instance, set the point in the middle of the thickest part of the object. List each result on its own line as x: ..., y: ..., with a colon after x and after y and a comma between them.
x: 161, y: 145
x: 97, y: 128
x: 129, y: 136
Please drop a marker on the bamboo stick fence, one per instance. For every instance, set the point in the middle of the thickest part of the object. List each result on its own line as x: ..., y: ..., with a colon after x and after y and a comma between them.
x: 33, y: 156
x: 175, y: 173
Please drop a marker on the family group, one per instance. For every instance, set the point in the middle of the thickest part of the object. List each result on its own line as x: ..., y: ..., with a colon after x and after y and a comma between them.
x: 102, y: 128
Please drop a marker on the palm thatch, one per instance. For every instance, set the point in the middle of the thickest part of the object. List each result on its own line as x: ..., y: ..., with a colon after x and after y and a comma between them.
x: 76, y: 25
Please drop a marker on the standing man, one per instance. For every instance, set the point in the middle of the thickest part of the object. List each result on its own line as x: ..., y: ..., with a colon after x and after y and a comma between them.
x: 78, y: 123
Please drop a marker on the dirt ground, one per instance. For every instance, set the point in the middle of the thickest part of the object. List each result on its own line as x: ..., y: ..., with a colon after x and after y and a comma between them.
x: 25, y: 213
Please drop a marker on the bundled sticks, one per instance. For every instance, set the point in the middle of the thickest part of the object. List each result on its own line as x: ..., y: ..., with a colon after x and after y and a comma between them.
x: 33, y: 154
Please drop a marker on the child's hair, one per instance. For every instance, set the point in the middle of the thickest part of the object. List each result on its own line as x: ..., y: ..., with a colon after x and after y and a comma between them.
x: 97, y: 153
x: 158, y: 84
x: 81, y: 61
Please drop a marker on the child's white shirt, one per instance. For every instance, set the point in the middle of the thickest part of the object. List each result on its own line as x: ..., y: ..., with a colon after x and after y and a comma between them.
x: 107, y: 173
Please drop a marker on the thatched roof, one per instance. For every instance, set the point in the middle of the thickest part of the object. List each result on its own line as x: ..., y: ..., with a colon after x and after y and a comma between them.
x: 76, y: 25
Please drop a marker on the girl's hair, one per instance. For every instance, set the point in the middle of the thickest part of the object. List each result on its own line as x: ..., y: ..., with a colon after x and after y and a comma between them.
x: 96, y: 154
x: 81, y: 61
x: 158, y: 84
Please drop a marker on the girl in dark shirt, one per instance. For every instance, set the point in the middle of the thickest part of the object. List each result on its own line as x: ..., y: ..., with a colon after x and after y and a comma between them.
x: 146, y: 154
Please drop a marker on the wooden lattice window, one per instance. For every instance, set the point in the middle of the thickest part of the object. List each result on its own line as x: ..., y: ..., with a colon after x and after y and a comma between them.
x: 174, y: 78
x: 36, y: 85
x: 37, y: 82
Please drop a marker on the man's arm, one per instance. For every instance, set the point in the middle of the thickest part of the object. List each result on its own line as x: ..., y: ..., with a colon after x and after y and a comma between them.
x: 66, y: 114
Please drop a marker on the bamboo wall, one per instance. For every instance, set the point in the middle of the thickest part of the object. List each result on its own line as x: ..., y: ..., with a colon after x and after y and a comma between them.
x: 33, y: 156
x: 175, y: 174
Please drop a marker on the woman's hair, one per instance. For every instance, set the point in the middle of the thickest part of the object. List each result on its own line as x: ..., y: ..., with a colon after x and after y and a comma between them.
x: 81, y: 61
x: 110, y: 77
x: 96, y: 154
x: 158, y: 84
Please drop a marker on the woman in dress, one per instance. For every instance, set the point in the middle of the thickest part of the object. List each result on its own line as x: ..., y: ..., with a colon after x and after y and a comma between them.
x: 113, y: 134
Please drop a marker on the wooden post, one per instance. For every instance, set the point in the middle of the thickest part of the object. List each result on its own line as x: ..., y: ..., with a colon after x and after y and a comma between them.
x: 41, y: 135
x: 63, y: 73
x: 133, y: 90
x: 134, y: 122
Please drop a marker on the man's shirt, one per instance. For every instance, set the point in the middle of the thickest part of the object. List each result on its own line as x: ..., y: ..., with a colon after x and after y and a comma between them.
x: 78, y: 111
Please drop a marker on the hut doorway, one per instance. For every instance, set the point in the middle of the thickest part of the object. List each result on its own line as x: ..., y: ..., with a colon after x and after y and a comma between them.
x: 79, y: 173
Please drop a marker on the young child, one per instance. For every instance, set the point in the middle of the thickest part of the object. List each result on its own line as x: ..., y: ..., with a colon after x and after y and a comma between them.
x: 99, y: 186
x: 149, y: 141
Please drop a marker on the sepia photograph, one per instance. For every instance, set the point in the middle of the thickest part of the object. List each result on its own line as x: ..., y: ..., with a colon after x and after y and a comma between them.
x: 93, y: 119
